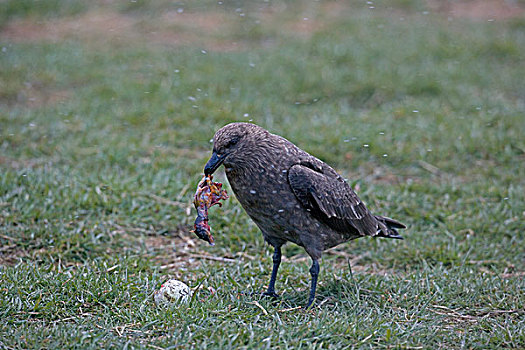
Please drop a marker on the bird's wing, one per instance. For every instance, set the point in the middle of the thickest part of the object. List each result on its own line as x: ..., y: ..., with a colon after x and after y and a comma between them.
x: 330, y: 199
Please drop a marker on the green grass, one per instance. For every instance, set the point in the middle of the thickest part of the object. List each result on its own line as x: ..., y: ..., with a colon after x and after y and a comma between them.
x: 104, y: 135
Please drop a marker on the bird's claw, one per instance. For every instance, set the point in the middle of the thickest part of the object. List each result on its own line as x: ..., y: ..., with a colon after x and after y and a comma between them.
x: 271, y: 295
x: 309, y: 307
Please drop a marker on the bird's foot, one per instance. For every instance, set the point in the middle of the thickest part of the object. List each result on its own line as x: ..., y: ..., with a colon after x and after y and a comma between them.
x: 311, y: 303
x: 271, y: 294
x: 310, y: 306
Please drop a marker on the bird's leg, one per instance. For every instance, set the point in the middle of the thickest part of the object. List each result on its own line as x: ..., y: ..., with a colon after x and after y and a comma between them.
x: 314, y: 271
x: 276, y: 262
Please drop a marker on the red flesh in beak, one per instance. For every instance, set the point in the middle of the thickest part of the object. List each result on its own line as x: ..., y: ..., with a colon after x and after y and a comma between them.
x: 208, y: 194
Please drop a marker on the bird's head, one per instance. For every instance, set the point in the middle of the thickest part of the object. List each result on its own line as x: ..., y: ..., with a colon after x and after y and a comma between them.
x: 231, y: 141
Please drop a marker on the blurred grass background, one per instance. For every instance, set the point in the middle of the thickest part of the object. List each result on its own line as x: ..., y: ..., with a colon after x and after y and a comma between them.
x: 106, y: 112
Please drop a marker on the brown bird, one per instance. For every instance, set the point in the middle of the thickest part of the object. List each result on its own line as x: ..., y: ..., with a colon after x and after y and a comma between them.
x: 292, y: 196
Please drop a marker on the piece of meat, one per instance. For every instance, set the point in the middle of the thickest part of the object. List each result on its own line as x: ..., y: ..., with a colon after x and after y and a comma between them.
x: 208, y: 193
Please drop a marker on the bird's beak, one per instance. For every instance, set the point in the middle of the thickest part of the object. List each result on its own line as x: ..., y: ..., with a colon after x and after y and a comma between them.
x: 212, y: 164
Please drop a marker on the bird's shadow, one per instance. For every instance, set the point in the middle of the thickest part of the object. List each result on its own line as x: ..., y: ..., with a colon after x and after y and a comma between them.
x: 333, y: 293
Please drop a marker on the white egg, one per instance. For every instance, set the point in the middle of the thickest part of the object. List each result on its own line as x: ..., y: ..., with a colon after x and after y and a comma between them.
x: 172, y: 292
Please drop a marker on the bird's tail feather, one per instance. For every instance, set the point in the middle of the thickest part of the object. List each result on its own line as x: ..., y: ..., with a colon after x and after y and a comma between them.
x: 387, y: 227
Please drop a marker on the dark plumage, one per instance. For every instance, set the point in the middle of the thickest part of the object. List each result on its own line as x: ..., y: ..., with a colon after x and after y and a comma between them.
x: 292, y: 196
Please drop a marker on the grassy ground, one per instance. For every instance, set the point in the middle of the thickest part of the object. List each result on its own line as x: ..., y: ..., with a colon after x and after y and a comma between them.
x: 106, y: 112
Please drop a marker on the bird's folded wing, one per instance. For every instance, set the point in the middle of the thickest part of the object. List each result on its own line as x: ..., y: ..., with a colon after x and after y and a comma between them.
x: 331, y: 200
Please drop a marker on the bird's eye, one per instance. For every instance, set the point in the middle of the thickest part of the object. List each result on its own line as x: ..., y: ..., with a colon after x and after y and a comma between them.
x: 232, y: 141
